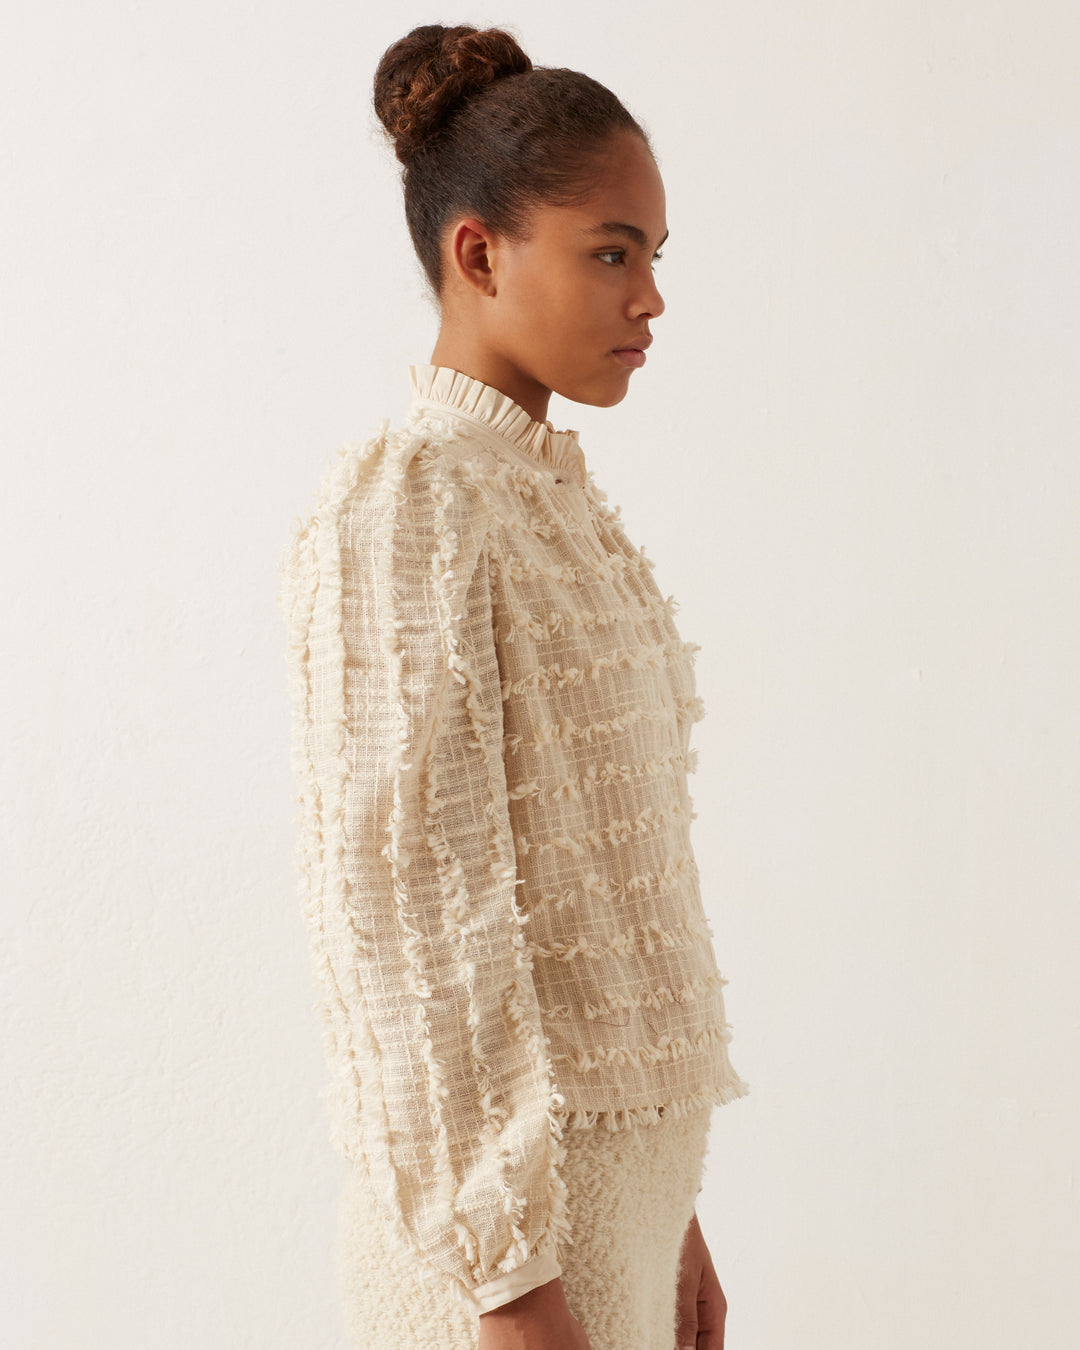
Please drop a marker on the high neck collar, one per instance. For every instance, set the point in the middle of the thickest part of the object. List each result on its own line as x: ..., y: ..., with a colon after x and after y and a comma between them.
x: 439, y: 387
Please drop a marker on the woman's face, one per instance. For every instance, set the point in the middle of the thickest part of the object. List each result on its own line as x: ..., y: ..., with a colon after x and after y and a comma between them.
x: 555, y: 309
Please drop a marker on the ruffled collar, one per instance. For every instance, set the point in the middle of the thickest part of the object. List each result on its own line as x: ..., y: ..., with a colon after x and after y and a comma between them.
x: 439, y: 387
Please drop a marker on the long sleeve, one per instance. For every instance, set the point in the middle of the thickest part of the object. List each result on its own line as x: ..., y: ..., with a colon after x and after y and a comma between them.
x: 442, y: 1086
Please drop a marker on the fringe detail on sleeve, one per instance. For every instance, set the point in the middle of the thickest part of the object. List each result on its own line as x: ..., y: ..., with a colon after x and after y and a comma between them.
x: 310, y: 575
x: 422, y: 866
x: 396, y: 853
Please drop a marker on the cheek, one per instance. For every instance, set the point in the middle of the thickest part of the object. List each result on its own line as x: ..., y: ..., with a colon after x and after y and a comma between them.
x: 586, y: 300
x: 537, y: 300
x: 552, y: 306
x: 553, y: 301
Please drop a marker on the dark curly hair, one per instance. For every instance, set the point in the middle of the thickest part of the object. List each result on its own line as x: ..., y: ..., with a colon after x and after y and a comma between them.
x: 481, y: 131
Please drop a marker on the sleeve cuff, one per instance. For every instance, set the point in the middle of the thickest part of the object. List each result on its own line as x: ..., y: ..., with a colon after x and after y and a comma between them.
x: 538, y: 1270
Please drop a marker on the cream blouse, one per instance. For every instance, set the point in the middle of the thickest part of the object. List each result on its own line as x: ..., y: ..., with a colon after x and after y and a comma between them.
x: 491, y: 718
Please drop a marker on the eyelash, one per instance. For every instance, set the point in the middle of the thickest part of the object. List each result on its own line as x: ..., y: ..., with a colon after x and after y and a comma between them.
x: 621, y: 253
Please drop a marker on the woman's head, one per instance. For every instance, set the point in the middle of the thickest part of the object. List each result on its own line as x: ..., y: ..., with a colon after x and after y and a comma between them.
x: 507, y: 169
x: 482, y: 132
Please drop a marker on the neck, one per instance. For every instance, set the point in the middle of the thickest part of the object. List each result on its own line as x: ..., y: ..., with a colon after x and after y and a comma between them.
x: 481, y: 363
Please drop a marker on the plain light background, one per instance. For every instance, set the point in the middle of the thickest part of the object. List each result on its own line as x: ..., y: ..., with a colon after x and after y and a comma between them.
x: 853, y: 457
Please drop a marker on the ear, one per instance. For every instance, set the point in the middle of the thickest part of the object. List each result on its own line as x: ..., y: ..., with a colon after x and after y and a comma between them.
x: 471, y: 247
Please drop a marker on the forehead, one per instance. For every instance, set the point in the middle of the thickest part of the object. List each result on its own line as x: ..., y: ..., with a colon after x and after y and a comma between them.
x: 627, y: 187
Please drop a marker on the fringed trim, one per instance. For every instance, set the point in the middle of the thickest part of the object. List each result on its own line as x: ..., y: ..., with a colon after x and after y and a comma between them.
x: 615, y: 1001
x: 533, y: 497
x: 598, y: 500
x: 517, y: 996
x: 483, y: 465
x: 598, y: 775
x: 487, y: 734
x: 556, y: 1233
x: 612, y: 516
x: 612, y: 893
x: 511, y: 480
x: 693, y: 708
x: 455, y: 908
x: 513, y: 567
x: 562, y: 517
x: 520, y: 480
x: 498, y: 467
x: 540, y: 526
x: 648, y: 821
x: 394, y: 851
x: 630, y: 1117
x: 557, y: 623
x: 534, y: 484
x: 667, y: 1050
x: 557, y: 1227
x: 566, y: 731
x: 640, y: 939
x: 299, y: 581
x: 654, y: 657
x: 311, y: 580
x: 525, y: 492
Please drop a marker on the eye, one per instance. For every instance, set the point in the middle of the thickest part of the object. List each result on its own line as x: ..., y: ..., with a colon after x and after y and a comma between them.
x: 619, y: 254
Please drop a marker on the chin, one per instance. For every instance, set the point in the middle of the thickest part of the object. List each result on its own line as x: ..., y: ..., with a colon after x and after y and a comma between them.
x: 615, y: 396
x: 599, y: 398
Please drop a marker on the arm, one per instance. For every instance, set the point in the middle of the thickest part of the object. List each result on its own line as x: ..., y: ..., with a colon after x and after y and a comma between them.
x: 442, y: 1081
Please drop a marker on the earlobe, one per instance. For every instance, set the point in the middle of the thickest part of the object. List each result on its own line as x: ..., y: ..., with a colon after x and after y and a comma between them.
x: 470, y: 245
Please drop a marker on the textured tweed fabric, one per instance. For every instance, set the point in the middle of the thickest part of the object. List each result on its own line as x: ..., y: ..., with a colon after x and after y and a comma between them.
x: 491, y: 710
x: 630, y: 1196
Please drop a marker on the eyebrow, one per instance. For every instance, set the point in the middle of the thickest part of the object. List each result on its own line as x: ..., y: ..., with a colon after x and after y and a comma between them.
x: 630, y: 231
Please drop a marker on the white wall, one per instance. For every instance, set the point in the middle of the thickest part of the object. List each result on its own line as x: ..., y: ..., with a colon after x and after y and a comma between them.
x: 861, y: 408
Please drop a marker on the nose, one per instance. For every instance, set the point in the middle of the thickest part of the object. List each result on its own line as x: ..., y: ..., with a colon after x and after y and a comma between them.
x: 649, y: 302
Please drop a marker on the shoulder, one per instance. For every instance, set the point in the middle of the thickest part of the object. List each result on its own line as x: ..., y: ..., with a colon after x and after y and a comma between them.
x: 405, y: 490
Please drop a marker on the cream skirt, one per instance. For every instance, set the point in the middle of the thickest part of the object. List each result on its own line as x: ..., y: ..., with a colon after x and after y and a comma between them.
x: 630, y: 1195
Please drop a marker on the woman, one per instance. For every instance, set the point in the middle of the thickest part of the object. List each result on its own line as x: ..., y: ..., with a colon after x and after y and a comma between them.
x: 492, y: 707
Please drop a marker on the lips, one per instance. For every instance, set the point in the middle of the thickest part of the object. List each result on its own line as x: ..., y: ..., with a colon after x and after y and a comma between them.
x: 638, y: 344
x: 633, y: 353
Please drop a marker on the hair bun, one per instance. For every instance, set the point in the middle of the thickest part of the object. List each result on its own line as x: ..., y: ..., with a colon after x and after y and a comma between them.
x: 426, y: 75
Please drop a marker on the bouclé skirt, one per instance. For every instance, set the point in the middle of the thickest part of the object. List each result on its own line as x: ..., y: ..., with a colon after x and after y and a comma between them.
x: 630, y: 1196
